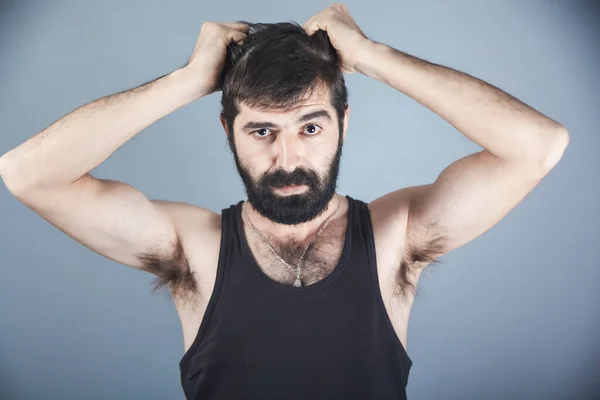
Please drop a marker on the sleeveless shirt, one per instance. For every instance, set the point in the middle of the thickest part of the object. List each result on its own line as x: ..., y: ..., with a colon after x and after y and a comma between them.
x: 262, y: 339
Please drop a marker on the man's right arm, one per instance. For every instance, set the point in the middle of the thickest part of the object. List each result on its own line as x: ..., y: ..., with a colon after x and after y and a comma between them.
x: 50, y: 174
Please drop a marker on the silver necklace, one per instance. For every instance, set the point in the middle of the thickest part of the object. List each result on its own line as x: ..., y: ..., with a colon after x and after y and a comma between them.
x: 297, y: 283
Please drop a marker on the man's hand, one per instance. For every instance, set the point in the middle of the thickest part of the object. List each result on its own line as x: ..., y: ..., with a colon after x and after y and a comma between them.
x: 343, y: 32
x: 207, y: 61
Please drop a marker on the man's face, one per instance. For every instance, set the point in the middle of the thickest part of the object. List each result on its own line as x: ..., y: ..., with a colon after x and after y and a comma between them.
x: 289, y: 161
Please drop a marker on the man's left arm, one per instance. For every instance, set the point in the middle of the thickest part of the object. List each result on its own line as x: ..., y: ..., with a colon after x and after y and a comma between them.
x: 521, y: 145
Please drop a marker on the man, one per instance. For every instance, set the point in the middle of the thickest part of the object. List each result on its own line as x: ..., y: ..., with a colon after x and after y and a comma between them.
x: 298, y: 292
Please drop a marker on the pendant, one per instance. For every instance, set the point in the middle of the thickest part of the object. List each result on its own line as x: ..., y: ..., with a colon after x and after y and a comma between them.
x: 297, y: 283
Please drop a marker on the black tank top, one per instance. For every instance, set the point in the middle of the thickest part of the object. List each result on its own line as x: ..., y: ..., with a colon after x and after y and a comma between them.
x: 261, y: 339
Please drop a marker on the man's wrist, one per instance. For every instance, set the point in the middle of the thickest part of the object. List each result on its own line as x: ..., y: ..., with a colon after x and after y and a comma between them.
x: 366, y: 56
x: 187, y: 84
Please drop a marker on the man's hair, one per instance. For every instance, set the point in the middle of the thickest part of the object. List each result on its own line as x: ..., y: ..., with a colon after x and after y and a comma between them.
x: 277, y: 66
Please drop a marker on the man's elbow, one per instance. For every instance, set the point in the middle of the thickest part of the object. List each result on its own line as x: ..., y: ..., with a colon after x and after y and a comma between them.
x: 557, y: 149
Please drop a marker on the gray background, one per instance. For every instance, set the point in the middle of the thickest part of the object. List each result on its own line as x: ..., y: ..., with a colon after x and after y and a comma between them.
x: 511, y: 315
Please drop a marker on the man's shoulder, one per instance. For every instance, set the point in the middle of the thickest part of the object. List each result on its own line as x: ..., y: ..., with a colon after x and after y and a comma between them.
x: 190, y: 219
x: 390, y: 211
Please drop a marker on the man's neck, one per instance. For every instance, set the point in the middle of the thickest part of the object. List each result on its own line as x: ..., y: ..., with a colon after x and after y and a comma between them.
x: 296, y: 233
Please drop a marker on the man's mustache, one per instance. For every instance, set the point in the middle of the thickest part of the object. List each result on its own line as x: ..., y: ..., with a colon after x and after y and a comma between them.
x: 281, y: 178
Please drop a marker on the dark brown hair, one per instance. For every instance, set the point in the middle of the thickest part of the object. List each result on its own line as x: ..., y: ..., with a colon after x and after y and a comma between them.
x: 277, y: 66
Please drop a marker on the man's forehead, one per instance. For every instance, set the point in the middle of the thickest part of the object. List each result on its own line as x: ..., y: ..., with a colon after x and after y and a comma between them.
x: 318, y: 100
x: 247, y: 113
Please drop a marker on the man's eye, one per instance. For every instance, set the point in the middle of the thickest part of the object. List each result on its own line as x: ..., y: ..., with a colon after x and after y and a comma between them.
x: 309, y: 130
x: 313, y: 131
x: 260, y: 133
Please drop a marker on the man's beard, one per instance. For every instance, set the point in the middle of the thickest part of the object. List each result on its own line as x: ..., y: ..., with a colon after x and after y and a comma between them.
x: 295, y: 208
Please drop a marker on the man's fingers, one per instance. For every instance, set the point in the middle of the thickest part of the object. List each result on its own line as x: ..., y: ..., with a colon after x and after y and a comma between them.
x: 311, y: 26
x: 238, y: 37
x: 238, y: 26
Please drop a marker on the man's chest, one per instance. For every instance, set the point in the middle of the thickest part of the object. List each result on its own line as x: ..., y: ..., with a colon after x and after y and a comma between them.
x: 282, y: 261
x: 320, y: 260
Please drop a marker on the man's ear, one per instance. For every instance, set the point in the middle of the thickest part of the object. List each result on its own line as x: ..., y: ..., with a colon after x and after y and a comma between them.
x: 346, y: 117
x: 224, y: 123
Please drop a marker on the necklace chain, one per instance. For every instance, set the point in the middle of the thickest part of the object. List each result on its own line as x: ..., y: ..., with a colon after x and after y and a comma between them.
x: 297, y: 283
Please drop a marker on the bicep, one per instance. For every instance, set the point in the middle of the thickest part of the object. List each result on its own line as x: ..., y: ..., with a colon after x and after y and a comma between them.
x: 109, y: 217
x: 468, y: 198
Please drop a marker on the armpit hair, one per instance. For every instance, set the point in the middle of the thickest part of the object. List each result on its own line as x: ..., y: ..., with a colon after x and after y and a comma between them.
x: 418, y: 255
x: 173, y: 272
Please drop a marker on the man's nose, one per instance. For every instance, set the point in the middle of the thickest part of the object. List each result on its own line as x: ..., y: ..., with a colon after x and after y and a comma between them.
x: 287, y: 153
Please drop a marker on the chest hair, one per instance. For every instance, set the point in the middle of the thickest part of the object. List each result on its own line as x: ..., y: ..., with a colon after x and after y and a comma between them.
x: 319, y: 261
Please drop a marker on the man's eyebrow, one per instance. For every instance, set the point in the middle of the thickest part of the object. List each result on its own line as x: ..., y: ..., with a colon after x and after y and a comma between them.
x: 303, y: 118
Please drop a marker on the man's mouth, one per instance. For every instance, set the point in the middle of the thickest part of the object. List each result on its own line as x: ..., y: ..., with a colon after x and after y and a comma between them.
x: 291, y: 189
